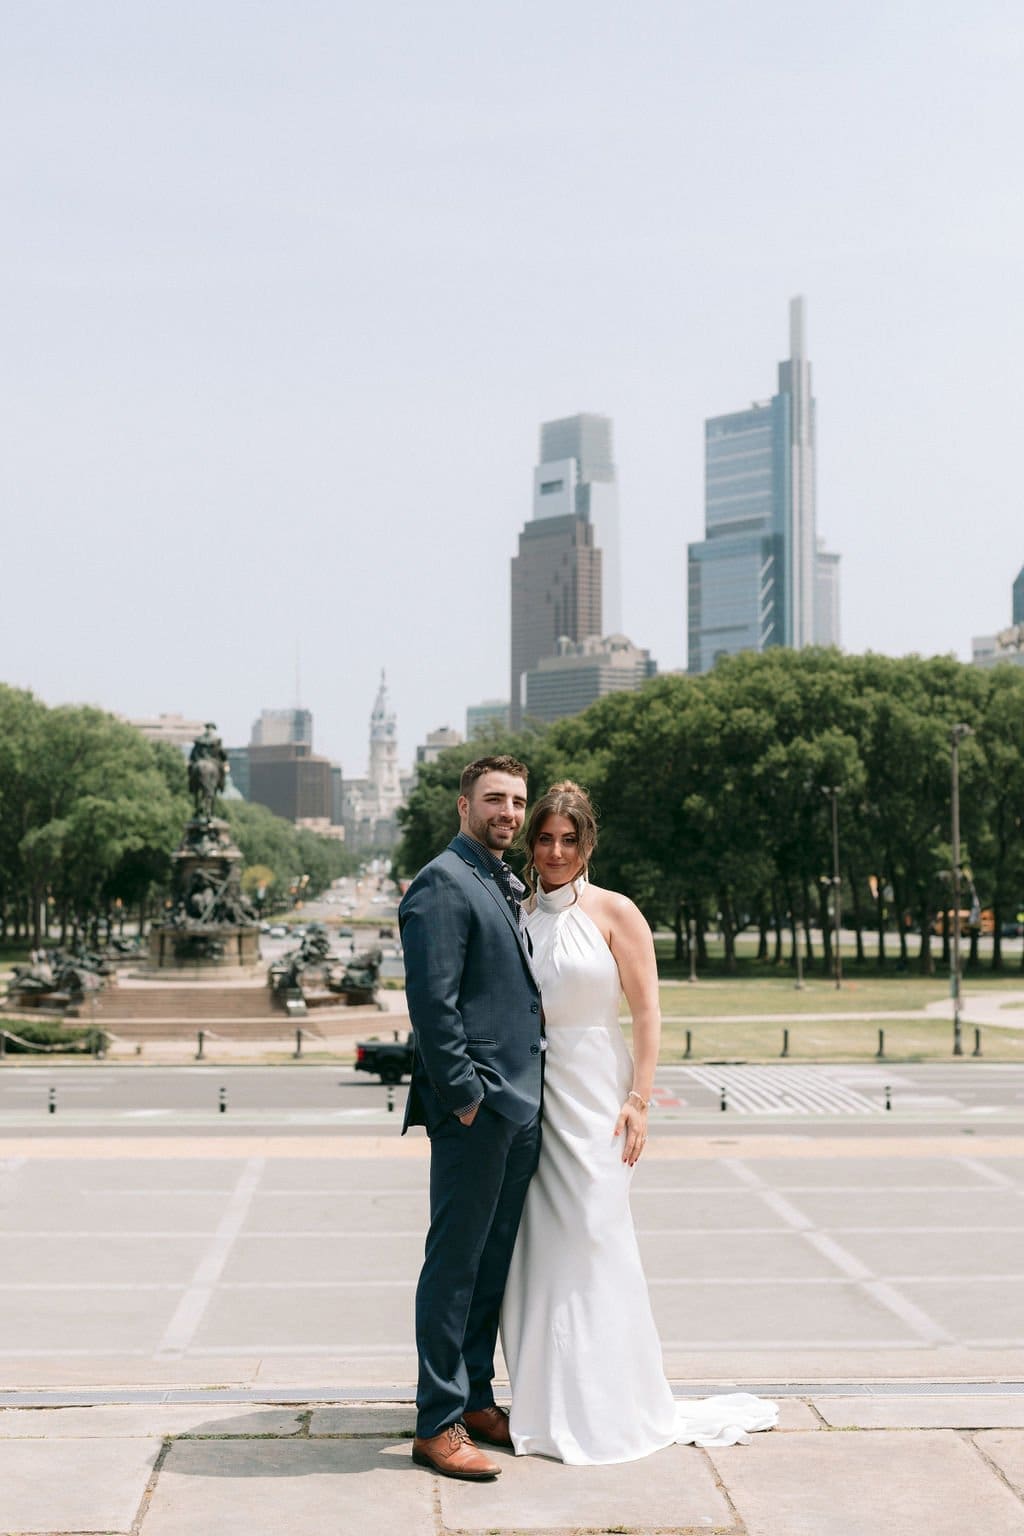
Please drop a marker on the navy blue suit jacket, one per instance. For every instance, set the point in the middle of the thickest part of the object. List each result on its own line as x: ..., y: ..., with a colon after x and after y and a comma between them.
x: 474, y: 1002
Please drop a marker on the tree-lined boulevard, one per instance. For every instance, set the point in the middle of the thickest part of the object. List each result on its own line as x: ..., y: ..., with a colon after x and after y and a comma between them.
x: 90, y: 813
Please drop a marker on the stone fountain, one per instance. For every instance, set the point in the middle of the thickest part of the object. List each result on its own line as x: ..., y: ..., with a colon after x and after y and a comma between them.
x: 211, y: 926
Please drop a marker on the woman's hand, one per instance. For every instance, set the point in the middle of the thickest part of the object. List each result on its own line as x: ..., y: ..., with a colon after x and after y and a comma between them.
x: 632, y: 1123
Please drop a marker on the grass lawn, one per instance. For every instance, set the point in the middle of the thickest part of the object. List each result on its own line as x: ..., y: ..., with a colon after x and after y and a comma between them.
x: 743, y: 1018
x: 780, y: 999
x: 834, y: 1040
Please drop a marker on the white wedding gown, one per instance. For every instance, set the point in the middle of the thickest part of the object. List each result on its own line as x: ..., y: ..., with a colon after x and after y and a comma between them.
x: 583, y: 1354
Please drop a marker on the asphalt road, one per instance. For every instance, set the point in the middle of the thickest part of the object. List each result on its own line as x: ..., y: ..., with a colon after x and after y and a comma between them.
x: 816, y: 1099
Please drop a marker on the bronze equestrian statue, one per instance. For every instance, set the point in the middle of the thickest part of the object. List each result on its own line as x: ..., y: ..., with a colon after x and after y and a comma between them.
x: 207, y: 770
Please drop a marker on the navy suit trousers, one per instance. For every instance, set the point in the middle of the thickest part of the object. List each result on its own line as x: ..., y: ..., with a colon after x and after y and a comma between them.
x: 478, y: 1180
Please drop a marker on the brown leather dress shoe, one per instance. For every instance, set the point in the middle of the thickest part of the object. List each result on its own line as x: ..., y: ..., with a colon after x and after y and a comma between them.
x: 489, y: 1424
x: 453, y: 1454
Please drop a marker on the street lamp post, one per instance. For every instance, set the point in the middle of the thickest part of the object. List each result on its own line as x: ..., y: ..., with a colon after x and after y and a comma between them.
x: 956, y: 736
x: 833, y: 791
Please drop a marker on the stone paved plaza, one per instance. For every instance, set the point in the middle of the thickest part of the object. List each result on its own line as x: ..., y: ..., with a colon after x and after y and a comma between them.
x: 204, y: 1332
x: 780, y: 1257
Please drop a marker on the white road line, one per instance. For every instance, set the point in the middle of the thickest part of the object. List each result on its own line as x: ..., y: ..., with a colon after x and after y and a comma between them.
x: 324, y: 1234
x: 997, y: 1279
x: 56, y: 1287
x: 302, y: 1351
x: 988, y: 1175
x: 72, y: 1354
x: 818, y: 1189
x: 132, y: 1233
x: 160, y: 1191
x: 902, y: 1230
x: 881, y: 1291
x: 188, y: 1314
x: 361, y: 1284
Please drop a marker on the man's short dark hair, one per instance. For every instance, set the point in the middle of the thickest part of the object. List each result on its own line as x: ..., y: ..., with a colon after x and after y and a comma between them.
x: 482, y: 765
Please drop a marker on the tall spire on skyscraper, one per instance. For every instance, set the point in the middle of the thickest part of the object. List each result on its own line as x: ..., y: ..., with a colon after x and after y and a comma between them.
x: 801, y: 533
x: 760, y: 577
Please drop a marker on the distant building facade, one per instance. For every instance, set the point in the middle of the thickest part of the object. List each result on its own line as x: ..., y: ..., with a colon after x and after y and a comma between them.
x: 1008, y: 644
x: 291, y: 781
x: 283, y: 727
x: 556, y: 590
x: 437, y: 742
x: 238, y: 766
x: 760, y: 577
x: 993, y: 650
x: 581, y: 672
x: 826, y: 597
x: 490, y: 715
x: 175, y: 730
x: 280, y: 770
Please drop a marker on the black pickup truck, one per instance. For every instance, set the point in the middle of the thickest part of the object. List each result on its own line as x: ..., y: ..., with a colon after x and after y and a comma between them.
x: 390, y: 1060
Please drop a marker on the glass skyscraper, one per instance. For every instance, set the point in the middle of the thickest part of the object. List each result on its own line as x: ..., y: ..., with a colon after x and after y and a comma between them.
x: 758, y: 577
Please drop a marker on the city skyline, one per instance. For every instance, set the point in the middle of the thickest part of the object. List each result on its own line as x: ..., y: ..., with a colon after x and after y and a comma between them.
x: 288, y: 293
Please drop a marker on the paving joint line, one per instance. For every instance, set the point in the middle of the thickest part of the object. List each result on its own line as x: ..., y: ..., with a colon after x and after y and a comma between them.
x: 150, y: 1488
x: 738, y: 1524
x: 993, y: 1466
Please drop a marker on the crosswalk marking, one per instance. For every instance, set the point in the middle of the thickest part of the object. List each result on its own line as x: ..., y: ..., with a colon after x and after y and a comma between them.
x: 794, y: 1090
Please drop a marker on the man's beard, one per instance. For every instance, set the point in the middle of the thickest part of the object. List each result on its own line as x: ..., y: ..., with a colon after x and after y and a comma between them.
x: 486, y: 832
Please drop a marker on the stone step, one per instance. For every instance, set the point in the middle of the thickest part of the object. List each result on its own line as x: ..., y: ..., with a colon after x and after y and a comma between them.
x: 203, y: 1001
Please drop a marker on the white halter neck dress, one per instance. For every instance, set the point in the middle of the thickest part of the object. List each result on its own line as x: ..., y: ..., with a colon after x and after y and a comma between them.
x: 579, y: 1338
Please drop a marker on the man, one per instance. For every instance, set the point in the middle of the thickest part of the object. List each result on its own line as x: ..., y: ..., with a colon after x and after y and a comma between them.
x: 475, y: 1008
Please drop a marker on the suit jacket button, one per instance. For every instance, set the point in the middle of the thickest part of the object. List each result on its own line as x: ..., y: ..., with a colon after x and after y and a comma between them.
x: 534, y: 1050
x: 535, y: 1007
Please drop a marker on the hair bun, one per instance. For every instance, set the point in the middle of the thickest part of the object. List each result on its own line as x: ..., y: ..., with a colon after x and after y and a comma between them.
x: 568, y: 787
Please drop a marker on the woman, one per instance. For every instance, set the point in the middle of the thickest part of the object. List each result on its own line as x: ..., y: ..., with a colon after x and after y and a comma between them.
x: 582, y: 1351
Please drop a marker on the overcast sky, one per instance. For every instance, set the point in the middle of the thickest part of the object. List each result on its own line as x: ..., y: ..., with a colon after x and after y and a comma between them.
x: 289, y: 287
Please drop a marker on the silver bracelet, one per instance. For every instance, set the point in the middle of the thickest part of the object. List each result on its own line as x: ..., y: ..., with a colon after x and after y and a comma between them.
x: 644, y: 1103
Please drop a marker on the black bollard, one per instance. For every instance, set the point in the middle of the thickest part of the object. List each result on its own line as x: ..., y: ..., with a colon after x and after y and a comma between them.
x: 722, y: 1105
x: 785, y: 1042
x: 689, y: 1045
x: 888, y: 1097
x: 200, y: 1037
x: 391, y: 1098
x: 977, y: 1043
x: 223, y: 1101
x: 298, y: 1042
x: 880, y: 1053
x: 3, y: 1043
x: 52, y: 1106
